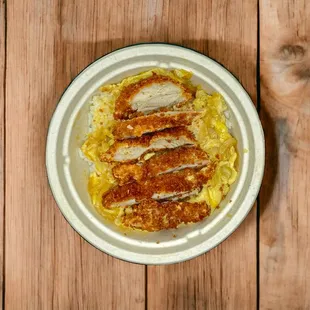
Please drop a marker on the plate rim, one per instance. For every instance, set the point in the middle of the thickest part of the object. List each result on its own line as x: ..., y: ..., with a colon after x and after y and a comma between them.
x: 145, y: 258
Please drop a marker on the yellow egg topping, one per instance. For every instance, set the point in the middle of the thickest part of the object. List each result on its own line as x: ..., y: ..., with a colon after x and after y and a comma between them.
x: 210, y: 131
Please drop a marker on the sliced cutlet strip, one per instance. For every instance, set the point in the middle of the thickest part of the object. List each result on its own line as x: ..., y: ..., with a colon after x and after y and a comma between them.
x: 152, y: 215
x: 132, y: 149
x: 127, y: 173
x: 149, y: 95
x: 173, y: 186
x: 138, y: 126
x: 161, y: 163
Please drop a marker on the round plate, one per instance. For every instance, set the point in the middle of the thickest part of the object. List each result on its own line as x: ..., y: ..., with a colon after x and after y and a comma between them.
x: 68, y: 173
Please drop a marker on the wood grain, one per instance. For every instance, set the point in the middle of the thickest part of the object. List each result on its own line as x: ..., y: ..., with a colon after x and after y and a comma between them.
x: 285, y: 202
x: 224, y: 278
x: 48, y: 266
x: 2, y: 97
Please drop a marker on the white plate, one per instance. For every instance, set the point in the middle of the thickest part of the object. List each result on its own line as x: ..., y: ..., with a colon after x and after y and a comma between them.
x: 68, y: 173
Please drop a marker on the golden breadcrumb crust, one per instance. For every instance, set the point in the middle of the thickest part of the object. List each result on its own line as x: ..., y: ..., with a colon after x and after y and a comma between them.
x: 178, y: 183
x: 138, y: 126
x: 160, y: 163
x: 123, y: 108
x: 170, y: 134
x: 151, y: 215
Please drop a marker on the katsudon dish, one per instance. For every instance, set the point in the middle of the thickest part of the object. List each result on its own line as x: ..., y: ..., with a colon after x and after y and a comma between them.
x: 160, y: 150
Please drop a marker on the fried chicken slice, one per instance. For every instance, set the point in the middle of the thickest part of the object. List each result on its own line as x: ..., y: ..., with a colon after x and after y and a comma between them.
x: 151, y: 215
x: 149, y: 95
x: 138, y: 126
x: 132, y: 149
x: 172, y: 186
x: 161, y: 163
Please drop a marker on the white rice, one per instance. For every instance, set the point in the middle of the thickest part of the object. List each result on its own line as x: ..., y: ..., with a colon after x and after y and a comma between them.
x: 228, y: 122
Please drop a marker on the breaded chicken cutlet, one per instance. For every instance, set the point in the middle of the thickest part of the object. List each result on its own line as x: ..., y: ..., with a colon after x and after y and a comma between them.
x: 149, y: 95
x: 132, y: 149
x: 161, y: 163
x: 151, y: 215
x: 138, y: 126
x: 172, y: 186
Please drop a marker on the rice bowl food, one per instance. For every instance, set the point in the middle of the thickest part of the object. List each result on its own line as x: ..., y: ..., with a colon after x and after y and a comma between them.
x: 160, y: 150
x: 113, y: 228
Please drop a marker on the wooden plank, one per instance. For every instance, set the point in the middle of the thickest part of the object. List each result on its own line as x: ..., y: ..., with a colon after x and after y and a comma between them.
x: 48, y: 266
x: 224, y: 278
x: 285, y: 113
x: 2, y: 98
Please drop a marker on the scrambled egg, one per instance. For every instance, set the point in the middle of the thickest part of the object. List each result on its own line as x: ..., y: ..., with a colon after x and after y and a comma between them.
x: 98, y: 141
x: 211, y: 132
x: 214, y: 138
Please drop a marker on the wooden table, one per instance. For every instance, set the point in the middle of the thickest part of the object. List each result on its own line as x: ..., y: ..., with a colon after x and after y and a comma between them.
x: 46, y: 265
